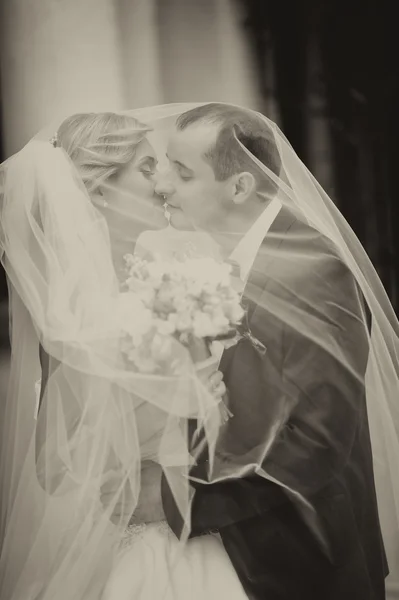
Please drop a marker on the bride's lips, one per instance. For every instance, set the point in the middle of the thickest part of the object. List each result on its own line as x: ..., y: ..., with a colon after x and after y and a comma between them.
x: 157, y: 203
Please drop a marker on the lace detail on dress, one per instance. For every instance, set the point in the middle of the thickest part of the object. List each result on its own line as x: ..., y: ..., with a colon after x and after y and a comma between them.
x: 135, y: 532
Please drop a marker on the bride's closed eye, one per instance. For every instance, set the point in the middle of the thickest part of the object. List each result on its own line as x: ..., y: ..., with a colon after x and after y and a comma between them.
x: 148, y: 167
x: 147, y: 172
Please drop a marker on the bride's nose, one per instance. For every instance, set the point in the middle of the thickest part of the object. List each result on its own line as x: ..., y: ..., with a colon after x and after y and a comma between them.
x: 164, y: 186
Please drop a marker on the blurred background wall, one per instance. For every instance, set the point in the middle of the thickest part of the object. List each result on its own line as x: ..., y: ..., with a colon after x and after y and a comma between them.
x: 325, y: 70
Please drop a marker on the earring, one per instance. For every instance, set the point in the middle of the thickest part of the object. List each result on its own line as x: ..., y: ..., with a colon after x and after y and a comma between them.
x: 105, y: 204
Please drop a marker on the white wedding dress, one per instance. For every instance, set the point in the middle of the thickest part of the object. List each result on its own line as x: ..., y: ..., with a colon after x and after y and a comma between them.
x: 152, y: 565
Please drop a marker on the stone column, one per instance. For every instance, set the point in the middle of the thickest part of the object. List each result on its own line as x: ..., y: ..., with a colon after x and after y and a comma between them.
x: 58, y: 57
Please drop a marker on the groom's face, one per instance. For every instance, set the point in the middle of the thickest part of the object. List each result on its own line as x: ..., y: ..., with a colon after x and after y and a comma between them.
x: 195, y: 198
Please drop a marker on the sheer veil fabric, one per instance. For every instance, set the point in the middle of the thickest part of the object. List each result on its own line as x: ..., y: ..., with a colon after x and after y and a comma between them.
x: 100, y: 419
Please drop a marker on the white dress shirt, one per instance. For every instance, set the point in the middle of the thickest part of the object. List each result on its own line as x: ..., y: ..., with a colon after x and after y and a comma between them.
x: 245, y: 252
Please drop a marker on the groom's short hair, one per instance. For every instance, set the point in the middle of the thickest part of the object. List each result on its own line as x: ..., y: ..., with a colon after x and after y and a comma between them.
x: 225, y: 155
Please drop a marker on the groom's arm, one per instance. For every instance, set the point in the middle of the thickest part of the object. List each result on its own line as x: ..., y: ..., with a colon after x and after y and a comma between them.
x: 318, y: 394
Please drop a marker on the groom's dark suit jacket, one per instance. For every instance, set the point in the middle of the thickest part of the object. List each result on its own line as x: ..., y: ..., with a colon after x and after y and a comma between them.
x: 281, y: 550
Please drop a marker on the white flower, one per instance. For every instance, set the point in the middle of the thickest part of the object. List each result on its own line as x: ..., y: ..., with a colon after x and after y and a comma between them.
x: 234, y: 311
x: 183, y: 321
x: 208, y: 270
x: 220, y: 324
x: 182, y: 302
x: 165, y: 327
x: 202, y: 325
x: 213, y: 301
x: 147, y: 296
x: 130, y: 260
x: 136, y: 267
x: 161, y: 347
x: 144, y: 362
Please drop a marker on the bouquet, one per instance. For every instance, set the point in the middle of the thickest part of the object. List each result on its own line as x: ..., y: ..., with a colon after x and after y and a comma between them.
x: 191, y: 301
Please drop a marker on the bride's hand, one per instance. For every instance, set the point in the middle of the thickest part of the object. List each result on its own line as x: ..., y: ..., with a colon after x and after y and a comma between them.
x: 216, y: 386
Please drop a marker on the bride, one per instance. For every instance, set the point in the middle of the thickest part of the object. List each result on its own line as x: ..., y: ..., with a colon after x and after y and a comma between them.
x: 76, y: 459
x: 81, y: 516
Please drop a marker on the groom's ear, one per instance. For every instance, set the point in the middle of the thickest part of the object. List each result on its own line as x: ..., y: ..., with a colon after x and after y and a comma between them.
x: 244, y: 185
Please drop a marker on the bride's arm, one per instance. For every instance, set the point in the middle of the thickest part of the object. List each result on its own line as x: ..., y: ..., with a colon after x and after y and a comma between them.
x: 149, y: 508
x: 150, y: 505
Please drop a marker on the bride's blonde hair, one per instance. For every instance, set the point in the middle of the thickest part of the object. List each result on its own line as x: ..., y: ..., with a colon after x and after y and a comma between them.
x: 100, y: 144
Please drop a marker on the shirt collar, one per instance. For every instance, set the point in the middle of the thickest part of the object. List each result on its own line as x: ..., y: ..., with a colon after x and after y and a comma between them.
x: 245, y: 252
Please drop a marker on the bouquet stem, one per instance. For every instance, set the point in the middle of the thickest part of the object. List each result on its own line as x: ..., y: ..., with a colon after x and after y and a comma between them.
x: 205, y: 363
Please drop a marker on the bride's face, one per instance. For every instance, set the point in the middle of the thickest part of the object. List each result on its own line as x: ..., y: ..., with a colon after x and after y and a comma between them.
x: 131, y: 205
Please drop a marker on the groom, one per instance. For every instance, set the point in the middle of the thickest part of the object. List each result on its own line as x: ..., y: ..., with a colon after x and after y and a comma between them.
x: 280, y: 549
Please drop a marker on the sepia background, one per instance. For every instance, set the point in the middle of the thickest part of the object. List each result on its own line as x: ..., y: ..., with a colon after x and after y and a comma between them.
x: 325, y: 70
